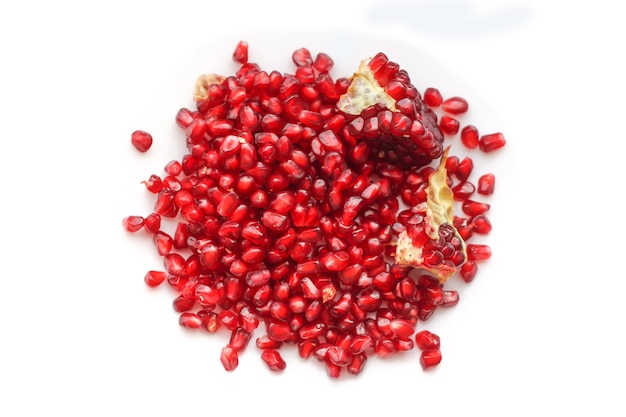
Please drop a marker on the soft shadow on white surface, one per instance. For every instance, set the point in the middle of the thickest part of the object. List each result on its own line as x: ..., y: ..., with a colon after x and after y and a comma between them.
x: 451, y: 17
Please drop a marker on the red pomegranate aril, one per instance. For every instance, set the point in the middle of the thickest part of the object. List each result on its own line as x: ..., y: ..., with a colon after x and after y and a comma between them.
x: 432, y: 97
x: 182, y: 304
x: 464, y: 169
x: 430, y: 358
x: 480, y: 224
x: 450, y: 298
x: 190, y: 320
x: 163, y: 243
x: 463, y: 190
x: 477, y: 252
x: 335, y: 261
x: 449, y: 125
x: 133, y: 223
x: 486, y: 184
x: 474, y: 208
x: 258, y: 278
x: 241, y: 53
x: 454, y: 105
x: 239, y: 339
x: 469, y: 136
x: 491, y: 142
x: 278, y: 331
x: 154, y: 278
x: 141, y: 140
x: 468, y: 271
x: 173, y: 168
x: 229, y: 358
x: 228, y: 319
x: 427, y: 340
x: 273, y: 360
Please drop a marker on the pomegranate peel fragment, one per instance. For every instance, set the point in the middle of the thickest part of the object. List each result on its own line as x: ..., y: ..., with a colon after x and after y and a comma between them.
x: 438, y: 212
x: 202, y: 85
x: 364, y: 91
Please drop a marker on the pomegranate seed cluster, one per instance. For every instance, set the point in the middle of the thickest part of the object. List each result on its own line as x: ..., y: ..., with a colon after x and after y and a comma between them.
x: 288, y: 212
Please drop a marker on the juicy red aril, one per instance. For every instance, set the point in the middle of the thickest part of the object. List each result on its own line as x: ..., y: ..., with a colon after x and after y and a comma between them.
x: 486, y: 184
x: 454, y: 105
x: 141, y: 140
x: 427, y: 340
x: 229, y: 358
x: 241, y: 53
x: 430, y: 358
x: 432, y: 97
x: 476, y: 252
x: 133, y: 223
x: 449, y: 125
x: 273, y: 360
x: 285, y: 211
x: 491, y: 142
x: 469, y: 136
x: 154, y: 278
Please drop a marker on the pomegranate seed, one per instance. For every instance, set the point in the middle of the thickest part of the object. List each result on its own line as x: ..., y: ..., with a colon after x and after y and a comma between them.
x: 273, y: 360
x: 491, y: 142
x: 190, y: 320
x: 241, y: 53
x: 454, y: 105
x: 478, y: 252
x: 427, y: 340
x: 154, y: 278
x: 302, y: 57
x: 432, y: 97
x: 474, y: 208
x: 486, y: 184
x: 141, y: 140
x: 229, y: 358
x: 449, y: 125
x: 133, y: 223
x: 468, y: 271
x: 469, y: 137
x: 430, y: 358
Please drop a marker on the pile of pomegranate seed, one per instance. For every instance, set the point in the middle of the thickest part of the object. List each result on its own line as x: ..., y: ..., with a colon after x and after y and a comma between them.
x: 318, y: 212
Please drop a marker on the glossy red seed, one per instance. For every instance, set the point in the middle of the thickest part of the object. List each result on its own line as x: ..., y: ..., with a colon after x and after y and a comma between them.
x: 133, y: 223
x: 273, y: 360
x: 486, y: 184
x: 229, y: 358
x: 449, y: 125
x: 190, y: 320
x: 491, y: 142
x: 154, y: 278
x: 141, y: 140
x: 469, y: 136
x: 430, y: 358
x: 478, y: 252
x: 427, y: 340
x: 241, y: 53
x: 454, y: 105
x: 432, y: 97
x: 468, y: 271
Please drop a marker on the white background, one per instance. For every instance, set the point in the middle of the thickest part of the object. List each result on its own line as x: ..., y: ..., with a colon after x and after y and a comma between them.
x: 540, y: 331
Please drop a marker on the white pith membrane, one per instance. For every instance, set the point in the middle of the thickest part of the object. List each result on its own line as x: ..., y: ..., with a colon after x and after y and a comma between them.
x: 203, y: 82
x: 438, y: 210
x: 364, y: 91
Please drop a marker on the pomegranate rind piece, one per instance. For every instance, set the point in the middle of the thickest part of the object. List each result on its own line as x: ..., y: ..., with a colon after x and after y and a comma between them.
x: 439, y: 211
x: 364, y: 91
x: 203, y: 82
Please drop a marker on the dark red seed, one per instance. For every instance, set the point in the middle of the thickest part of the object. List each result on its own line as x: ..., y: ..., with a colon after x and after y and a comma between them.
x: 273, y: 360
x: 430, y: 358
x: 454, y: 105
x: 469, y: 136
x: 241, y: 53
x: 154, y: 278
x: 449, y: 125
x: 491, y: 142
x: 133, y: 223
x: 229, y: 358
x: 486, y: 184
x: 432, y: 97
x: 476, y: 252
x: 141, y: 140
x: 427, y: 340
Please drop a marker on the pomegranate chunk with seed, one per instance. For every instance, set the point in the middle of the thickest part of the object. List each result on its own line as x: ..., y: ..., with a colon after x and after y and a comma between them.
x: 321, y: 211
